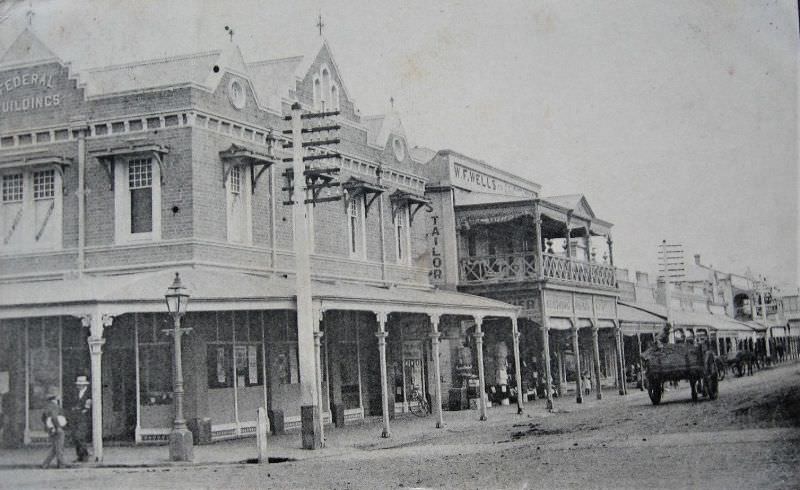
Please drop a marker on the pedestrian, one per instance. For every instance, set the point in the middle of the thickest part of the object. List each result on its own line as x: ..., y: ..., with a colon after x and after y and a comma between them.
x: 82, y: 419
x: 54, y: 423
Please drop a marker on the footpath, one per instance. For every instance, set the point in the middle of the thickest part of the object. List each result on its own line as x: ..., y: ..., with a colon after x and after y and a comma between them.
x: 351, y: 440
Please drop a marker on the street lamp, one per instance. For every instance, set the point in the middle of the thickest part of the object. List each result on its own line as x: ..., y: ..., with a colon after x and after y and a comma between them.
x: 180, y: 439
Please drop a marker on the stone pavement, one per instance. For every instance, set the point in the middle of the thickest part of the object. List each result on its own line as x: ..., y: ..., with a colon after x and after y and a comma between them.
x: 406, y: 429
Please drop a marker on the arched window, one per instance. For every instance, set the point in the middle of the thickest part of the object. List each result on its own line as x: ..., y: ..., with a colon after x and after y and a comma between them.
x: 326, y: 86
x: 317, y: 94
x: 334, y: 98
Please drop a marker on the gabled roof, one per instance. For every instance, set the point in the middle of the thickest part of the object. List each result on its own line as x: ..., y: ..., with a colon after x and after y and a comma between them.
x: 27, y: 49
x: 274, y: 79
x: 576, y: 202
x: 380, y: 126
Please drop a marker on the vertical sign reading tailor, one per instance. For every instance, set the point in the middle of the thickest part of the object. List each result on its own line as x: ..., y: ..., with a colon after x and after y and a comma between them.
x: 436, y: 250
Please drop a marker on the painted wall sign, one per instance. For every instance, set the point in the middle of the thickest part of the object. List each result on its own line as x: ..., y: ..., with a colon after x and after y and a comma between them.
x: 468, y: 178
x: 583, y: 305
x: 528, y: 302
x: 605, y: 307
x: 39, y: 81
x: 558, y: 303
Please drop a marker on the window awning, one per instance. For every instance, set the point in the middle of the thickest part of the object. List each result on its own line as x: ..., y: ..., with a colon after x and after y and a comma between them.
x: 415, y: 202
x: 241, y: 156
x: 36, y: 159
x: 356, y: 187
x: 107, y: 156
x: 634, y: 319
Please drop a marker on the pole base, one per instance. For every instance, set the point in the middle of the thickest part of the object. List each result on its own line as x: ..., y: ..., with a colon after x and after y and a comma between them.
x: 599, y: 395
x: 579, y: 399
x: 386, y: 434
x: 549, y: 404
x: 622, y: 392
x: 181, y: 445
x: 310, y: 427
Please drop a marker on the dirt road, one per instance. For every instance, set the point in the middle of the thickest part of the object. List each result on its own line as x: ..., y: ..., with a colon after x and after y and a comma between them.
x: 749, y: 438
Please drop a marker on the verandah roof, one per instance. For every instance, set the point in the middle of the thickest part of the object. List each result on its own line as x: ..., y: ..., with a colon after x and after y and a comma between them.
x: 692, y: 319
x: 214, y: 290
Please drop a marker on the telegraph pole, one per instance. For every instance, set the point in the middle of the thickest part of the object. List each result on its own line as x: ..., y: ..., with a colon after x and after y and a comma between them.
x: 672, y: 255
x: 306, y: 184
x: 762, y: 290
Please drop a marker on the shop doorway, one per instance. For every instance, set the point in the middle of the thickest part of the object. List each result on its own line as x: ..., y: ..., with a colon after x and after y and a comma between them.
x: 119, y: 385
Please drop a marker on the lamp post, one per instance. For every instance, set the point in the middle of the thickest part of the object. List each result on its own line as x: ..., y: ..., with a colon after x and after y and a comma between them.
x: 180, y: 439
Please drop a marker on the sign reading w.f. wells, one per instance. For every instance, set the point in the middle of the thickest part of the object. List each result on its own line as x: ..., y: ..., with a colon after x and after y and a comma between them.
x: 34, y: 96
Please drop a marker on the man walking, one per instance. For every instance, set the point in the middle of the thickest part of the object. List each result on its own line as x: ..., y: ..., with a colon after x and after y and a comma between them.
x: 82, y: 418
x: 54, y: 422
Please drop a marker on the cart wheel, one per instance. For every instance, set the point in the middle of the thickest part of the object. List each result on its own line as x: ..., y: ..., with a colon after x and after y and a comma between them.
x: 693, y: 385
x: 654, y: 390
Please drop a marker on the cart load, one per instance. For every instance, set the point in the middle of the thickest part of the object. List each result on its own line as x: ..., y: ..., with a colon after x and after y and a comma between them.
x: 674, y: 362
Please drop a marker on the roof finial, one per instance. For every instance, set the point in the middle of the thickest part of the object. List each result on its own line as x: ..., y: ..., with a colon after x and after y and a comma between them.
x: 30, y: 13
x: 320, y: 24
x: 230, y: 32
x: 391, y: 101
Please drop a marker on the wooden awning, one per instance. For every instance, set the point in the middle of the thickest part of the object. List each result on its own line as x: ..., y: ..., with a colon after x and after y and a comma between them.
x: 356, y: 187
x: 36, y: 159
x: 415, y: 202
x: 107, y: 156
x: 241, y: 156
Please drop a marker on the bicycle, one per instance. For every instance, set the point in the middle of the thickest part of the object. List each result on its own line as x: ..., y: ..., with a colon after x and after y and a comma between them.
x: 417, y: 403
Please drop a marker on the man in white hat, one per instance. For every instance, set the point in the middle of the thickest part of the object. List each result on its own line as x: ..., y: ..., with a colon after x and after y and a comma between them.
x: 82, y: 418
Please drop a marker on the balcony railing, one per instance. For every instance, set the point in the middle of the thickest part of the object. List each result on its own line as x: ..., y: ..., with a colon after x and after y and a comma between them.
x: 498, y: 268
x: 522, y: 266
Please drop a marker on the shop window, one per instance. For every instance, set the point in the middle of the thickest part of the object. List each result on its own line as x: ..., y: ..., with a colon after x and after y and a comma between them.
x: 137, y: 200
x: 30, y: 210
x: 283, y: 355
x: 234, y: 359
x: 155, y: 361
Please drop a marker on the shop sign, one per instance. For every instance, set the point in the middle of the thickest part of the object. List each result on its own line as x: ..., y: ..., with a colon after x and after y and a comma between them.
x: 558, y: 303
x: 42, y: 98
x: 412, y: 349
x: 468, y: 178
x: 583, y: 305
x: 436, y: 251
x: 605, y: 307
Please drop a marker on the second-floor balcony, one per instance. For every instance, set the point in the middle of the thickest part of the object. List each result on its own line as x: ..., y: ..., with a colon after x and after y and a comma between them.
x: 523, y: 266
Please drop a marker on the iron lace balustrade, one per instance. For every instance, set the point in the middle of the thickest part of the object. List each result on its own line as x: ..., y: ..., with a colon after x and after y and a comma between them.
x: 578, y: 271
x: 520, y: 266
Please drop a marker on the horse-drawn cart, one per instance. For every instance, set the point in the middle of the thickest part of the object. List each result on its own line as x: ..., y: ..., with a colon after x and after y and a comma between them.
x: 674, y: 362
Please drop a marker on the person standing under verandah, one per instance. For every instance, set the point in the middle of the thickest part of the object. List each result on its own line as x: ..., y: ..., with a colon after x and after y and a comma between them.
x: 54, y: 423
x: 82, y: 419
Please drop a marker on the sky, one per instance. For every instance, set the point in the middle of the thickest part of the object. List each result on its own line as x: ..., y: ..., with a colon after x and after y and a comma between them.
x: 677, y: 120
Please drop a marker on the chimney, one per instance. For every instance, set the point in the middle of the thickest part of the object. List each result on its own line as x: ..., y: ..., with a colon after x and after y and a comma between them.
x: 697, y: 259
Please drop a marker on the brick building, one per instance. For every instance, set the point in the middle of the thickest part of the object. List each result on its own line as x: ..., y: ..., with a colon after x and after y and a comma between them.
x: 115, y: 178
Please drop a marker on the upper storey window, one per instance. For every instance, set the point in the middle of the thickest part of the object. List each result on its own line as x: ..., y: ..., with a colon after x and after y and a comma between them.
x: 30, y: 209
x: 334, y: 104
x: 238, y: 205
x: 355, y: 227
x: 402, y: 236
x: 137, y: 199
x: 317, y: 94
